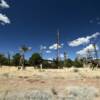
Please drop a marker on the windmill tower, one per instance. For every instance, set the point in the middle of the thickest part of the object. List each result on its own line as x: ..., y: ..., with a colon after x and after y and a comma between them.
x: 94, y: 49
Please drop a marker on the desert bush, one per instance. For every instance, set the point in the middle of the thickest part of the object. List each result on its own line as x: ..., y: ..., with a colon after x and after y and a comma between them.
x: 29, y: 95
x: 78, y: 64
x: 54, y: 91
x: 35, y: 59
x: 81, y: 93
x: 46, y: 64
x: 75, y: 70
x: 7, y: 75
x: 68, y: 63
x: 52, y: 65
x: 97, y: 77
x: 40, y: 95
x: 16, y: 59
x: 3, y: 60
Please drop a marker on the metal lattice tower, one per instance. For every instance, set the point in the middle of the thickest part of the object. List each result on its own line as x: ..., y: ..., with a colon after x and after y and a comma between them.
x: 95, y: 48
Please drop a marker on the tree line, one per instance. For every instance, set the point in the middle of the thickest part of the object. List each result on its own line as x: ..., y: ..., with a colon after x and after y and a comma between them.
x: 36, y: 60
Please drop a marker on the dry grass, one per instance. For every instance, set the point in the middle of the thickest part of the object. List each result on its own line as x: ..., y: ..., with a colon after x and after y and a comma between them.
x: 55, y: 83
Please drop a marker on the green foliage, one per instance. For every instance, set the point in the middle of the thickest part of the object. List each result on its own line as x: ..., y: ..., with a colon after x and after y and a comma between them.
x: 26, y: 62
x: 51, y: 64
x: 46, y: 64
x: 16, y: 59
x: 68, y: 63
x: 35, y: 59
x: 24, y: 48
x: 61, y: 64
x: 3, y: 60
x: 57, y: 64
x: 78, y: 63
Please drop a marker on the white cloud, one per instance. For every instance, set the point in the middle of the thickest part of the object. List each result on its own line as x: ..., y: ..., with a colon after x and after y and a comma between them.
x: 91, y: 21
x: 43, y: 47
x: 98, y: 23
x: 48, y: 51
x: 49, y: 59
x: 54, y: 46
x: 98, y: 18
x: 62, y: 44
x: 61, y: 55
x: 84, y: 51
x: 4, y: 4
x: 83, y: 40
x: 78, y: 42
x: 4, y: 19
x: 94, y: 35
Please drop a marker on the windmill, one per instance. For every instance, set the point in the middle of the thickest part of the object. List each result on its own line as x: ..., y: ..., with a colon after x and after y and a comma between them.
x: 94, y: 44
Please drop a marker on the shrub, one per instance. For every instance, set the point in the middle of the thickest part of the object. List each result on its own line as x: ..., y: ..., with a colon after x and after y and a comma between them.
x: 35, y: 59
x: 81, y: 93
x: 78, y: 64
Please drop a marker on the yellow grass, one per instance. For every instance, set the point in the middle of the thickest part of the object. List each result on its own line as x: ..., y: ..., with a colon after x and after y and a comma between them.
x: 30, y: 71
x: 12, y: 79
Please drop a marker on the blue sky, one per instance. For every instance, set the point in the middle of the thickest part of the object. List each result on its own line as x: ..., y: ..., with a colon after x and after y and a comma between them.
x: 35, y: 23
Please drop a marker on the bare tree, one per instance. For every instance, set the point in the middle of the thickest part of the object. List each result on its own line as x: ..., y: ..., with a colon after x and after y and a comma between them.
x: 23, y: 49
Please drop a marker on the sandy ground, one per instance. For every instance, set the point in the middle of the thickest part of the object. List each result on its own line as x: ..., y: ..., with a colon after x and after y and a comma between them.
x: 54, y: 80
